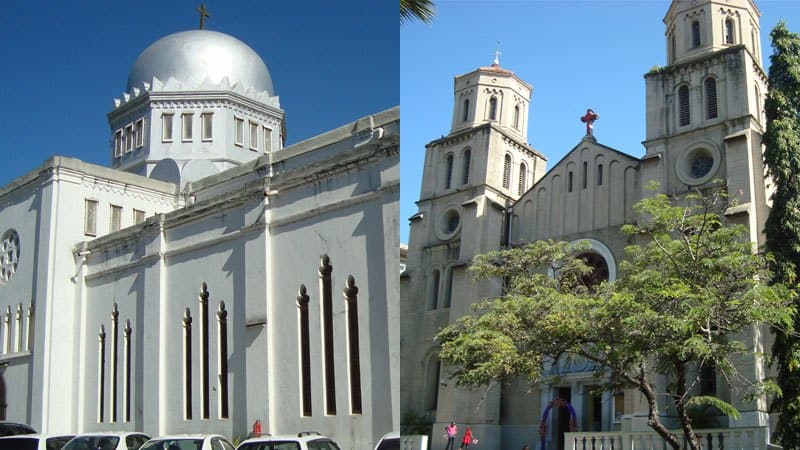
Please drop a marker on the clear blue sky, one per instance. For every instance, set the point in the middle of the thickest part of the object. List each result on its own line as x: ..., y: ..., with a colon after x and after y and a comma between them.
x: 63, y: 63
x: 576, y: 54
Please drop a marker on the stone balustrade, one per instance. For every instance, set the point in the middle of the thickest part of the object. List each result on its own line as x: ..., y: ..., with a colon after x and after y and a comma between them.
x: 756, y: 438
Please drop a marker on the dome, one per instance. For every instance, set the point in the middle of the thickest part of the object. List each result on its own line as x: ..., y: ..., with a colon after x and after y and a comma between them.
x: 201, y: 55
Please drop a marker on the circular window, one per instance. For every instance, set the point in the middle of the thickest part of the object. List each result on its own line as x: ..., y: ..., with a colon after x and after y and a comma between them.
x: 9, y: 255
x: 698, y: 166
x: 449, y: 224
x: 599, y: 268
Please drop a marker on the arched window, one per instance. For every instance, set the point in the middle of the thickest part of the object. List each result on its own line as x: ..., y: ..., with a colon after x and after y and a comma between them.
x: 599, y: 174
x: 695, y: 34
x: 672, y: 47
x: 683, y: 105
x: 222, y: 359
x: 432, y: 384
x: 493, y: 108
x: 305, y: 350
x: 522, y: 173
x: 448, y: 293
x: 325, y: 271
x: 729, y: 37
x: 433, y: 296
x: 516, y: 116
x: 507, y: 171
x: 448, y: 177
x: 758, y: 102
x: 585, y: 175
x: 711, y: 98
x: 755, y: 48
x: 569, y: 181
x: 466, y: 109
x: 187, y: 364
x: 465, y: 171
x: 351, y: 300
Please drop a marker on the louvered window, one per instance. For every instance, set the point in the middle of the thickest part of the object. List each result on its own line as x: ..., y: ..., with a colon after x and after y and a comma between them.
x: 448, y: 178
x: 695, y: 34
x: 683, y: 105
x: 465, y: 171
x: 507, y: 171
x: 711, y: 98
x: 522, y: 174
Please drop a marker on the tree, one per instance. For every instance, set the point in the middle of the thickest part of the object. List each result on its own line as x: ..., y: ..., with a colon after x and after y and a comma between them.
x: 782, y: 157
x: 416, y: 9
x: 686, y: 293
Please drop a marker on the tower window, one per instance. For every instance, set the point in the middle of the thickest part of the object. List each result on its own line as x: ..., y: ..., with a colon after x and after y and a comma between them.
x: 711, y: 98
x: 729, y: 37
x: 466, y: 110
x: 267, y: 140
x: 599, y: 174
x: 465, y: 171
x: 433, y: 298
x: 253, y: 136
x: 516, y: 116
x: 238, y: 128
x: 507, y: 171
x: 207, y: 126
x: 448, y: 293
x: 695, y: 34
x: 128, y: 138
x: 186, y: 120
x: 448, y: 176
x: 522, y: 174
x: 672, y: 47
x: 493, y: 108
x: 166, y: 127
x: 139, y: 131
x: 118, y: 144
x: 683, y: 105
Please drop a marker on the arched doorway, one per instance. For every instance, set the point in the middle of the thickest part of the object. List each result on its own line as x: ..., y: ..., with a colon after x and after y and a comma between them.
x: 567, y: 420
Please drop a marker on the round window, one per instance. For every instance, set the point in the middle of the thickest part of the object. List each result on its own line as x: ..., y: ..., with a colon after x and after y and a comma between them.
x: 9, y: 255
x: 698, y: 165
x: 701, y: 164
x: 449, y: 224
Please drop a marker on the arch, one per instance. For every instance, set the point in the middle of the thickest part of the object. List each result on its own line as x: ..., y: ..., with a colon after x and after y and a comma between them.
x: 601, y: 249
x: 684, y: 117
x: 493, y: 108
x: 466, y: 157
x: 433, y: 371
x: 710, y: 86
x: 507, y: 171
x: 448, y: 175
x: 558, y: 403
x: 167, y: 170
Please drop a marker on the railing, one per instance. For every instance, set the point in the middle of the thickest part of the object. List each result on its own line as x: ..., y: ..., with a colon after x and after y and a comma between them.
x: 713, y: 439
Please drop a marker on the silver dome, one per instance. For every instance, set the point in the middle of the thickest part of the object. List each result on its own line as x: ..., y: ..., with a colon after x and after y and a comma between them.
x: 201, y: 55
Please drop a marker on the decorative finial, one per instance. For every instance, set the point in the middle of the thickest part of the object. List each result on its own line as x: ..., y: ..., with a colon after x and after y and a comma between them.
x: 497, y: 55
x: 203, y: 14
x: 589, y: 119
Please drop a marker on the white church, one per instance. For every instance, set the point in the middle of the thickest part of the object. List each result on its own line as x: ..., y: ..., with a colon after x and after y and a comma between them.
x: 210, y: 277
x: 485, y: 188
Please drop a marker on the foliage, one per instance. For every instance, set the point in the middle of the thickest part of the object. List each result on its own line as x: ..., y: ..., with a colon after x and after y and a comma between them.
x: 686, y: 292
x: 411, y: 423
x: 416, y: 10
x: 782, y: 156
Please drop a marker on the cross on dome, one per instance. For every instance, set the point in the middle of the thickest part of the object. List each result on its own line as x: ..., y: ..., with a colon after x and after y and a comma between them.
x: 203, y: 14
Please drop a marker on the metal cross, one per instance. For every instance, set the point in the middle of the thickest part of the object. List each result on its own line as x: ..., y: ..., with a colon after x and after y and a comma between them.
x: 203, y: 14
x: 497, y: 54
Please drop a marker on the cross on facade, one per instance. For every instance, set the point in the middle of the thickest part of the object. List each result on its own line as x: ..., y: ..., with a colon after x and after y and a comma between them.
x: 203, y: 14
x: 589, y: 119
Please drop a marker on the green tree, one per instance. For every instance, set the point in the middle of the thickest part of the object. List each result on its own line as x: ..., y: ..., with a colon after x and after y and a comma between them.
x: 686, y: 293
x: 782, y: 156
x: 416, y: 9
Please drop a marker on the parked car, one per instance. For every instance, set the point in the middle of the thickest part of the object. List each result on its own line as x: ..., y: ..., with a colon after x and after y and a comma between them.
x: 13, y: 428
x: 107, y: 440
x: 307, y: 440
x: 389, y: 441
x: 188, y: 442
x: 49, y: 441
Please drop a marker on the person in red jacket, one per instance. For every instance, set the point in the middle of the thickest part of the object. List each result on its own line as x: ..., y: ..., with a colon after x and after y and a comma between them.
x: 467, y: 439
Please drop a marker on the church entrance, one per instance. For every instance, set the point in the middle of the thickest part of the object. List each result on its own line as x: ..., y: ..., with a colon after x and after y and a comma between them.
x: 562, y: 417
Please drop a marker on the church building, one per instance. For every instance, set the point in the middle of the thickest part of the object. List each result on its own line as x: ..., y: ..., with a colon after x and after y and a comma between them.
x: 210, y: 277
x: 486, y: 188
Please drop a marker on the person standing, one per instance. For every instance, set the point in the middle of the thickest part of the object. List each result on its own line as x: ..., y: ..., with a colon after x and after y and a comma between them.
x: 467, y: 439
x: 451, y: 432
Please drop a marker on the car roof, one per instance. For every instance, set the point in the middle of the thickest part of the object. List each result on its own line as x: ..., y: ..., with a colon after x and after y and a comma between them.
x: 391, y: 434
x: 287, y: 437
x: 110, y: 433
x: 187, y: 436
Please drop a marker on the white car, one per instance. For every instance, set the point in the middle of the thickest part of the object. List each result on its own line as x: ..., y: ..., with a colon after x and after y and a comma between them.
x: 107, y: 440
x: 307, y: 440
x: 389, y: 441
x: 188, y: 442
x: 49, y: 441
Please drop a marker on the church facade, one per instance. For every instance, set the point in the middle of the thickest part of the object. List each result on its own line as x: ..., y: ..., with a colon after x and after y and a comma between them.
x: 485, y: 188
x: 211, y: 277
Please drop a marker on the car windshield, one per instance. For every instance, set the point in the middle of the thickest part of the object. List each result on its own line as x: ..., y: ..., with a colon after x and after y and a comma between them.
x: 11, y: 429
x: 274, y: 445
x: 56, y: 443
x: 322, y: 444
x: 94, y: 442
x: 390, y: 444
x: 173, y: 444
x: 19, y: 443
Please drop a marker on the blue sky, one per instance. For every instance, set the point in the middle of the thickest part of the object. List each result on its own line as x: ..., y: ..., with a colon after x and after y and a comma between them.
x: 576, y: 54
x: 63, y: 63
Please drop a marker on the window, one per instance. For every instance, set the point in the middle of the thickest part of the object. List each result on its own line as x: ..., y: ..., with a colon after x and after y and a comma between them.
x: 206, y: 125
x: 90, y: 222
x: 186, y: 120
x: 166, y: 127
x: 116, y: 218
x: 516, y: 116
x: 695, y: 34
x: 672, y: 47
x: 139, y: 133
x: 448, y: 293
x: 506, y: 171
x: 305, y: 350
x: 465, y: 169
x: 433, y: 297
x: 128, y: 138
x: 118, y: 144
x: 222, y: 359
x: 253, y: 136
x: 619, y: 406
x: 757, y: 93
x: 187, y: 364
x: 267, y: 140
x: 126, y: 335
x: 205, y: 405
x: 493, y: 108
x: 729, y: 37
x: 466, y: 109
x: 138, y: 216
x: 584, y: 175
x: 448, y: 175
x: 325, y: 270
x: 569, y: 181
x: 711, y: 98
x: 683, y: 105
x: 599, y: 174
x: 101, y: 373
x: 522, y: 175
x: 708, y: 379
x: 114, y: 365
x: 238, y: 125
x: 354, y: 359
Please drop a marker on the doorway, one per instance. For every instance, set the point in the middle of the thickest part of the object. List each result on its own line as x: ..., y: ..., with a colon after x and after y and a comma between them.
x: 562, y: 417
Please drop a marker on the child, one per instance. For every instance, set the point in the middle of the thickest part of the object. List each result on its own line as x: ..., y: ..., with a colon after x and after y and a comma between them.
x: 467, y: 439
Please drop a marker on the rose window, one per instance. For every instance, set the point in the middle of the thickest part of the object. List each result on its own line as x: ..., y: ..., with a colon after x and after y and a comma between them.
x: 9, y: 255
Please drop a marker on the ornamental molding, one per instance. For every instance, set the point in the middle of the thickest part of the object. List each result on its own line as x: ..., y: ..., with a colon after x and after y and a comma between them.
x: 193, y: 85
